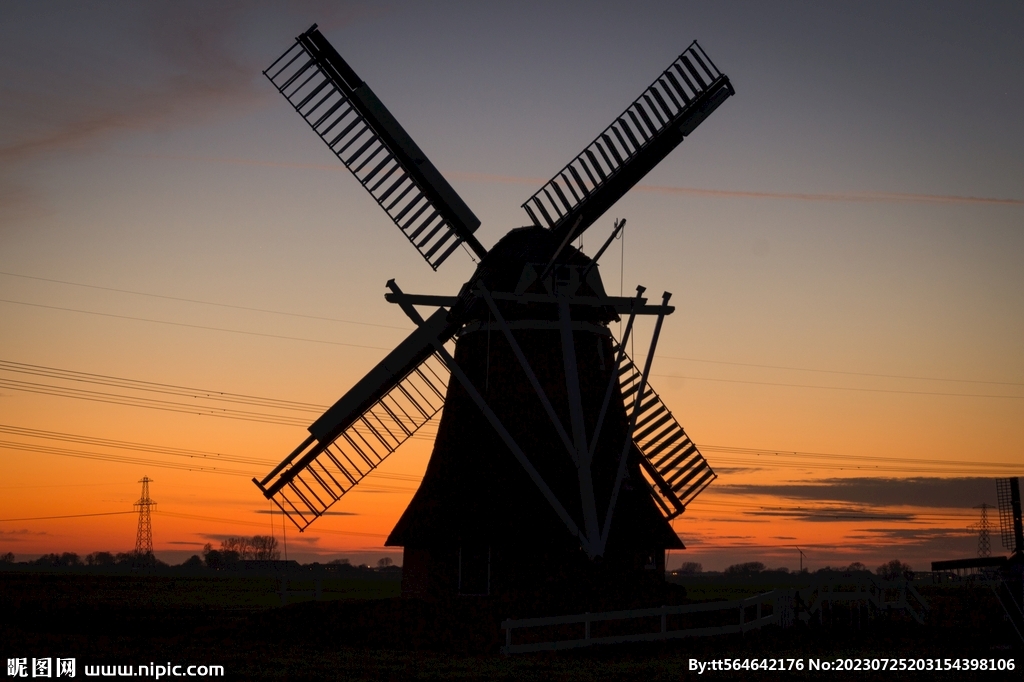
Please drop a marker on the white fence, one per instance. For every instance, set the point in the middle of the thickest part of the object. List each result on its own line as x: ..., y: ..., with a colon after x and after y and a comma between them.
x: 883, y: 595
x: 779, y: 607
x: 781, y: 610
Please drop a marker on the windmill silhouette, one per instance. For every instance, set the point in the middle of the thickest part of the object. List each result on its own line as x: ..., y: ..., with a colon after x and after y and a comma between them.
x: 555, y: 462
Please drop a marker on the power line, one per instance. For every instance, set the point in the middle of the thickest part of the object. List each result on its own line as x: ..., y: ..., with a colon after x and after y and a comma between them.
x: 180, y: 466
x: 832, y: 455
x: 836, y: 371
x: 387, y: 326
x: 841, y: 388
x: 199, y: 409
x: 66, y: 516
x: 165, y: 405
x: 263, y: 524
x: 203, y: 462
x: 187, y: 516
x: 192, y: 326
x: 201, y: 302
x: 672, y: 376
x: 128, y: 445
x: 122, y: 459
x: 156, y: 387
x: 160, y: 449
x: 750, y: 455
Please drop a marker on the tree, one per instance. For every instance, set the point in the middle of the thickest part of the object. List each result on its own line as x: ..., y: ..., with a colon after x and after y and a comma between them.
x: 59, y: 560
x: 264, y: 548
x: 7, y: 558
x: 259, y: 547
x: 193, y: 562
x: 748, y: 567
x: 213, y: 558
x: 241, y: 546
x: 100, y: 559
x: 895, y: 569
x: 691, y: 567
x: 856, y: 566
x: 384, y: 562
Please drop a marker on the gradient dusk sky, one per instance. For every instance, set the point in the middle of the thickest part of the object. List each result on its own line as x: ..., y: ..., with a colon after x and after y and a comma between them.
x: 844, y: 240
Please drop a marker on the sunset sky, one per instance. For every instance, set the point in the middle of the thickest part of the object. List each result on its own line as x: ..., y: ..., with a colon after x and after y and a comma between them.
x: 844, y: 241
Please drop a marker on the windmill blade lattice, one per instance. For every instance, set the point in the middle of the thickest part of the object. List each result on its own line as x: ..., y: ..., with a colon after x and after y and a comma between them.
x: 393, y: 401
x: 326, y: 471
x: 651, y: 127
x: 363, y: 134
x: 675, y: 470
x: 1011, y: 527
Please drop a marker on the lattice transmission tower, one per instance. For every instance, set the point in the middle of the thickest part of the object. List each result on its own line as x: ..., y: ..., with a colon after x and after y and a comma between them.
x: 144, y: 536
x: 983, y: 527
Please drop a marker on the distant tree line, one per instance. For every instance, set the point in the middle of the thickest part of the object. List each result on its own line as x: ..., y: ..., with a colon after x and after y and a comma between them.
x: 239, y: 548
x: 101, y: 559
x: 232, y: 550
x: 888, y: 571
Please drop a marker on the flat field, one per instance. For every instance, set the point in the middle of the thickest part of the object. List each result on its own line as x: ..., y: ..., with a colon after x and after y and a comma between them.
x: 362, y: 630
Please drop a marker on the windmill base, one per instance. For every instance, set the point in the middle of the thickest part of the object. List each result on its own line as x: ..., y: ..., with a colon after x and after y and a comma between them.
x: 547, y: 578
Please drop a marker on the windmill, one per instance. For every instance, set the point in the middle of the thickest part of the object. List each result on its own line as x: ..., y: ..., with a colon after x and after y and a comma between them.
x: 555, y: 460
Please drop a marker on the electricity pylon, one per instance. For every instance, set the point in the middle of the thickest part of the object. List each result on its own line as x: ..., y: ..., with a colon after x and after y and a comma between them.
x: 144, y: 536
x: 983, y: 526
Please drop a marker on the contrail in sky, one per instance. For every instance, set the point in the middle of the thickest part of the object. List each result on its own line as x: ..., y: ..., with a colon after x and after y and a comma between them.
x: 869, y: 197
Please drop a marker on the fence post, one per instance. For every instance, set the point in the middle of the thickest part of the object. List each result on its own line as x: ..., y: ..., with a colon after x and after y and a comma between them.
x: 664, y: 620
x: 586, y: 622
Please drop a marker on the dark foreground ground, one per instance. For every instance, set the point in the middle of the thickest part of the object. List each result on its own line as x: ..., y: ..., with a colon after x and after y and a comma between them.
x: 362, y: 630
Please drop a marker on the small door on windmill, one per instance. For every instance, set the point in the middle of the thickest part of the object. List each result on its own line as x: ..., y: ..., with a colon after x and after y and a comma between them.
x: 474, y: 570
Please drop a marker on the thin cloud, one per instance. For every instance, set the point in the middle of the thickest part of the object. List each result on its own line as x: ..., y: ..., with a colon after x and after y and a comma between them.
x: 833, y: 514
x: 192, y: 72
x: 956, y: 493
x: 20, y: 535
x: 904, y: 534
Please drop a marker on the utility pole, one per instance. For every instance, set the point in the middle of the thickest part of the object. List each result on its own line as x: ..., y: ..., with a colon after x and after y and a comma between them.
x: 144, y: 536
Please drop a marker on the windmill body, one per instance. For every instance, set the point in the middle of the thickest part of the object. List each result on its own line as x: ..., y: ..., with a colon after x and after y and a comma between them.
x: 478, y: 524
x: 556, y: 464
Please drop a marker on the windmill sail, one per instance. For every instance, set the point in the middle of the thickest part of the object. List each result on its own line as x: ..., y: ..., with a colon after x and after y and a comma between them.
x: 406, y: 390
x: 652, y: 126
x: 675, y: 470
x: 363, y: 134
x: 1010, y: 525
x: 397, y: 397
